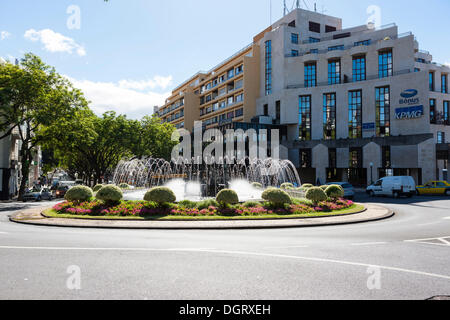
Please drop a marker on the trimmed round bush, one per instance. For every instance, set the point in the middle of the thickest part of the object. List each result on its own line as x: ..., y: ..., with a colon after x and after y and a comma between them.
x: 276, y: 197
x: 307, y: 186
x: 257, y: 185
x: 287, y: 186
x: 124, y: 186
x: 109, y: 194
x: 160, y: 195
x: 227, y: 196
x: 79, y: 193
x: 97, y: 187
x: 316, y: 195
x: 324, y: 187
x: 334, y: 191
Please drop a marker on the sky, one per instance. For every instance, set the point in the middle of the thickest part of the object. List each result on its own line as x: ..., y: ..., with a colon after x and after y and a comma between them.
x: 127, y: 55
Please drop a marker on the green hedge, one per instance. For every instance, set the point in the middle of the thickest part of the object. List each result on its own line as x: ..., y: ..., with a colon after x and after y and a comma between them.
x: 316, y: 195
x: 160, y: 195
x: 227, y: 197
x: 276, y: 197
x: 97, y: 187
x: 109, y: 194
x: 79, y: 193
x: 335, y: 191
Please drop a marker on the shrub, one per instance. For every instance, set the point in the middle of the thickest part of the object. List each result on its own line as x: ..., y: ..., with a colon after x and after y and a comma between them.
x: 124, y: 186
x: 307, y: 186
x: 276, y: 197
x: 79, y: 194
x: 160, y: 195
x: 316, y: 195
x: 324, y: 187
x: 205, y: 204
x: 287, y: 186
x: 97, y: 187
x: 257, y: 185
x: 187, y: 204
x: 335, y: 192
x: 252, y: 204
x: 227, y: 197
x: 109, y: 194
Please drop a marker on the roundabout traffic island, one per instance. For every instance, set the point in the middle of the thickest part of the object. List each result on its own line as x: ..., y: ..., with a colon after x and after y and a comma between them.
x: 158, y: 210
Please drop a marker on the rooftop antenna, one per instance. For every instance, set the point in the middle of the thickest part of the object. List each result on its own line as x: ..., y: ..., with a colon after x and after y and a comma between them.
x: 295, y: 5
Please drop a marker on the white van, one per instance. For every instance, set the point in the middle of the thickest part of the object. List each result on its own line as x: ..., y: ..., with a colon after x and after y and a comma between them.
x: 393, y: 186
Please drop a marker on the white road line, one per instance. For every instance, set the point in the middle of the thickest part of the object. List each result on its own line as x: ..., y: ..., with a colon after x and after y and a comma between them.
x: 447, y: 218
x: 444, y: 241
x: 368, y: 244
x: 213, y: 251
x: 291, y: 247
x: 428, y: 239
x: 3, y: 232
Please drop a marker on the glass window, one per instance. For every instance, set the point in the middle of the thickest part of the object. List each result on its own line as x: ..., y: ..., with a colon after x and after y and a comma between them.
x: 239, y: 70
x: 294, y: 53
x: 294, y: 38
x: 446, y: 113
x: 359, y: 68
x: 444, y: 83
x: 385, y: 64
x: 383, y: 111
x: 313, y: 40
x: 356, y: 158
x: 310, y: 75
x: 314, y: 51
x: 334, y: 48
x: 305, y: 118
x: 362, y: 43
x: 334, y: 72
x: 230, y: 73
x: 431, y: 81
x: 432, y: 111
x: 268, y: 68
x: 441, y: 137
x: 386, y: 156
x: 239, y: 113
x: 329, y: 116
x: 355, y: 114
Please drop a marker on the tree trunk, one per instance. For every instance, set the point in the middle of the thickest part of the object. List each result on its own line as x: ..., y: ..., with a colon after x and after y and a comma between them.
x: 26, y: 161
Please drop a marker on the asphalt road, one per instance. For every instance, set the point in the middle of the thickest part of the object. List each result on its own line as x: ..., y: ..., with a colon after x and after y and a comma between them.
x: 406, y: 257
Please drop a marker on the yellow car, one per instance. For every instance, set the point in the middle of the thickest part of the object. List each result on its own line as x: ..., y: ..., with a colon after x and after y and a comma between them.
x: 434, y: 187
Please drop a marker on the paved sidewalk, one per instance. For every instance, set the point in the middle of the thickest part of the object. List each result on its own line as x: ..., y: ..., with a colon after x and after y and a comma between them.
x: 34, y: 217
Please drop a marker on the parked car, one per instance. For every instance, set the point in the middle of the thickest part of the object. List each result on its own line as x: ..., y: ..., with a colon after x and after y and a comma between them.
x: 38, y: 194
x: 349, y: 192
x: 434, y: 187
x: 393, y: 186
x: 60, y: 191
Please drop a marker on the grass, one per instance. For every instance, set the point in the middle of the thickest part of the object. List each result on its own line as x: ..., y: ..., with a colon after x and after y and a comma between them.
x: 353, y: 209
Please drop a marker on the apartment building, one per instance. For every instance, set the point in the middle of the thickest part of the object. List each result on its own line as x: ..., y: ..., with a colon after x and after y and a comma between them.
x: 354, y: 104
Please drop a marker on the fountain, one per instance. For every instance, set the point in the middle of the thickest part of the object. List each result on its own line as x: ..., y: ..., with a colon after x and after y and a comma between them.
x: 198, y: 181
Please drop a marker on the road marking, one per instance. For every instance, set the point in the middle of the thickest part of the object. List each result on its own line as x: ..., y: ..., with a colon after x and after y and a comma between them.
x: 368, y: 244
x: 291, y: 247
x: 447, y: 218
x: 243, y: 253
x: 3, y: 232
x: 444, y: 241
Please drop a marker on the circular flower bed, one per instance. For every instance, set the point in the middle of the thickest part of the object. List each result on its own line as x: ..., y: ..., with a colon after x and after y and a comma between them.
x: 153, y: 209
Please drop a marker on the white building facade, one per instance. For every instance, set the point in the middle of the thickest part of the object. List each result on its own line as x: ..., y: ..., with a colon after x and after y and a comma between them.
x: 359, y: 103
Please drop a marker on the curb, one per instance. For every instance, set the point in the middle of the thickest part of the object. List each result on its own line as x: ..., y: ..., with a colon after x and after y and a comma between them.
x: 368, y: 215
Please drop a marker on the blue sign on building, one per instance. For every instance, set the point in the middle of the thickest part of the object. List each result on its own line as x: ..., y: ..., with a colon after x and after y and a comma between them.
x: 368, y: 126
x: 409, y: 113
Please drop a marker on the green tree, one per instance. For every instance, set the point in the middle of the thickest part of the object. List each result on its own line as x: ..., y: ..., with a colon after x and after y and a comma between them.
x: 33, y: 98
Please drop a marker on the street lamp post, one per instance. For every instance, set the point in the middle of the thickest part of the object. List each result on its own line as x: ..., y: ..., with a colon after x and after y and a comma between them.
x: 371, y: 173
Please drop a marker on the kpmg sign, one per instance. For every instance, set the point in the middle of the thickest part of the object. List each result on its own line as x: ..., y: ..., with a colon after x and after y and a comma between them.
x: 409, y: 98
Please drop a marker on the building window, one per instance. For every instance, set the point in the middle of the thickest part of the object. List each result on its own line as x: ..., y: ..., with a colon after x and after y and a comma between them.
x: 314, y: 27
x: 334, y: 72
x: 444, y: 83
x: 239, y: 70
x: 294, y: 38
x: 266, y: 110
x: 359, y: 68
x: 441, y: 137
x: 294, y: 53
x: 278, y: 112
x: 313, y: 40
x: 305, y: 118
x: 310, y: 75
x: 355, y: 114
x: 433, y: 111
x: 362, y: 43
x: 268, y: 78
x: 329, y: 116
x: 314, y: 51
x: 335, y: 48
x: 446, y: 113
x: 239, y: 113
x: 386, y: 157
x: 230, y: 73
x: 330, y: 29
x: 332, y: 158
x: 385, y: 64
x: 383, y: 111
x: 305, y: 158
x: 431, y: 81
x: 356, y: 158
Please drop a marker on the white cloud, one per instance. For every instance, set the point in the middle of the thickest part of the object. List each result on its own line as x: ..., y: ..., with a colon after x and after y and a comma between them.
x: 4, y: 35
x: 108, y: 96
x: 156, y: 82
x: 447, y: 64
x: 55, y: 42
